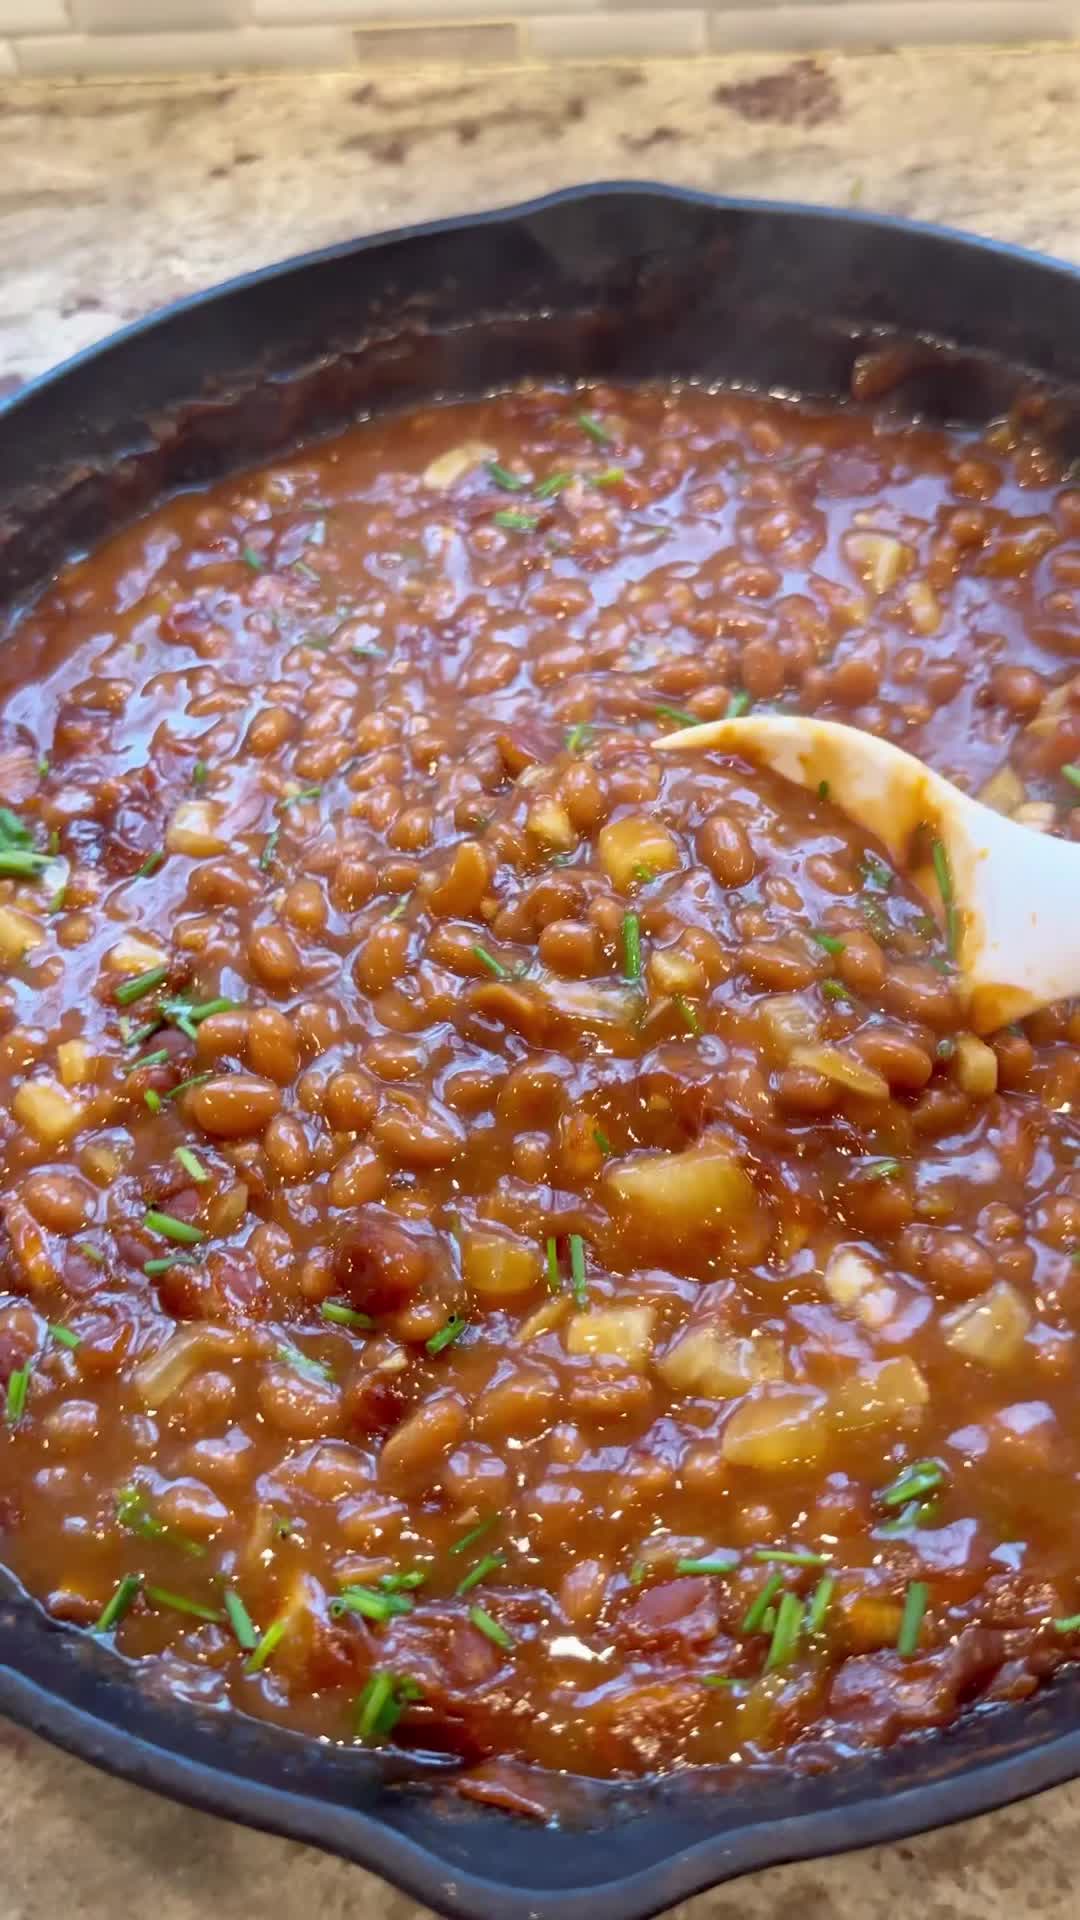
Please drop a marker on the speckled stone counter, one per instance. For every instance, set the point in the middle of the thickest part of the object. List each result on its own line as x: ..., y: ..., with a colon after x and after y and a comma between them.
x: 116, y: 199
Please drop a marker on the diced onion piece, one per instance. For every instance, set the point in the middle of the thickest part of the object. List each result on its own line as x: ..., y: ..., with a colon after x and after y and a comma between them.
x: 673, y: 972
x: 923, y: 607
x: 195, y: 829
x: 184, y: 1353
x: 777, y: 1427
x: 497, y: 1267
x: 545, y: 1317
x: 101, y: 1161
x: 854, y: 1284
x: 625, y: 1331
x: 133, y: 954
x: 879, y: 559
x: 1039, y: 815
x: 591, y: 1002
x: 720, y: 1366
x: 672, y: 1197
x: 20, y: 933
x: 974, y: 1066
x: 843, y: 1068
x: 48, y: 1111
x: 992, y: 1328
x: 453, y: 465
x: 634, y: 849
x: 788, y: 1021
x: 1004, y: 791
x: 75, y: 1062
x: 893, y: 1393
x: 549, y: 823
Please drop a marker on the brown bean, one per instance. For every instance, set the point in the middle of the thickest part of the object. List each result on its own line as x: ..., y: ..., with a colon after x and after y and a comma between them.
x: 383, y: 957
x: 274, y: 957
x: 233, y: 1104
x: 726, y: 851
x: 896, y: 1054
x: 918, y: 993
x: 411, y: 1458
x: 359, y: 1176
x: 62, y: 1202
x: 417, y: 1133
x: 271, y: 1047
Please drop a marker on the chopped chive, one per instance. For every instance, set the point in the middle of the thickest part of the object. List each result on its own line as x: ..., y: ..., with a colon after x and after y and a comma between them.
x: 631, y: 943
x: 152, y: 1100
x: 271, y: 1639
x: 939, y: 853
x: 554, y: 1278
x: 159, y: 1058
x: 252, y: 559
x: 921, y: 1477
x: 739, y: 704
x: 182, y: 1086
x: 602, y: 1140
x: 786, y: 1633
x: 781, y: 1557
x: 643, y: 873
x: 578, y: 1281
x: 878, y: 1169
x: 474, y: 1534
x: 381, y: 1704
x: 819, y: 1603
x: 152, y: 1267
x: 490, y: 1628
x: 823, y: 789
x: 115, y: 1608
x: 829, y: 941
x: 917, y: 1513
x: 578, y: 737
x: 835, y: 990
x: 64, y: 1336
x: 192, y: 1165
x: 170, y: 1228
x: 555, y: 483
x: 396, y: 912
x: 678, y: 715
x: 446, y: 1336
x: 876, y: 873
x: 515, y: 522
x: 341, y: 1315
x: 493, y: 965
x: 716, y: 1680
x: 301, y: 567
x: 189, y: 1014
x: 399, y: 1582
x: 269, y: 848
x: 18, y: 1387
x: 686, y: 1013
x: 150, y: 865
x: 180, y: 1604
x: 304, y: 1363
x: 595, y: 429
x: 240, y: 1621
x: 945, y: 1047
x: 754, y: 1617
x: 135, y: 1515
x: 368, y: 649
x: 711, y: 1563
x: 200, y: 774
x: 1072, y: 775
x: 490, y: 1563
x: 1069, y: 1625
x: 93, y: 1254
x: 502, y: 476
x: 637, y: 1573
x: 20, y: 864
x: 611, y: 477
x: 877, y: 920
x: 142, y: 983
x: 915, y: 1600
x: 373, y: 1606
x: 311, y: 792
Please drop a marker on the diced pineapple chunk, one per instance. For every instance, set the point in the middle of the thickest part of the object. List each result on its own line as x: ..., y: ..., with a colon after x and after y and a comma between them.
x: 550, y: 1315
x: 879, y: 559
x: 777, y: 1427
x: 846, y: 1069
x: 75, y: 1062
x: 719, y: 1366
x: 853, y: 1283
x: 190, y: 1350
x: 134, y: 954
x: 671, y: 971
x: 635, y: 849
x: 549, y: 823
x: 625, y: 1331
x: 788, y: 1021
x: 975, y: 1066
x: 673, y: 1197
x: 195, y: 829
x: 893, y: 1393
x: 455, y: 463
x: 19, y: 934
x: 992, y: 1328
x: 498, y: 1267
x: 1004, y: 791
x: 48, y: 1111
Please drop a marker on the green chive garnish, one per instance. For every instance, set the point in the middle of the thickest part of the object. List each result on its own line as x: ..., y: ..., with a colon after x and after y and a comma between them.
x: 595, y: 429
x: 920, y: 1478
x: 502, y: 476
x: 835, y: 990
x: 474, y: 1534
x: 152, y: 1100
x: 272, y: 1638
x: 158, y: 1058
x: 18, y: 1387
x: 1072, y: 1623
x: 200, y: 773
x: 876, y: 873
x: 578, y: 1281
x: 489, y: 961
x: 554, y: 1278
x: 754, y: 1617
x: 739, y: 704
x: 515, y: 522
x: 829, y: 941
x: 781, y: 1557
x: 269, y: 849
x: 180, y: 1604
x: 192, y: 1165
x: 631, y: 943
x: 446, y: 1336
x: 717, y: 1680
x: 712, y: 1563
x: 93, y: 1254
x: 401, y: 1582
x: 578, y: 737
x: 555, y: 483
x: 64, y: 1337
x: 878, y: 1169
x: 678, y: 715
x: 914, y: 1608
x: 170, y: 1228
x: 939, y: 854
x: 182, y: 1086
x: 381, y: 1705
x: 1072, y: 775
x: 142, y: 983
x: 241, y: 1622
x: 686, y: 1013
x: 490, y: 1628
x: 252, y: 559
x: 114, y: 1609
x: 786, y: 1633
x: 18, y: 856
x: 134, y: 1514
x: 167, y: 1260
x: 819, y: 1603
x: 303, y: 1363
x: 490, y: 1563
x: 611, y: 477
x: 602, y: 1140
x: 340, y: 1315
x: 150, y: 865
x: 373, y: 1606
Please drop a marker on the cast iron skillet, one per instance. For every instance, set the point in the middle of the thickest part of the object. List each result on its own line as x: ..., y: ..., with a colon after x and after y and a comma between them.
x: 623, y: 280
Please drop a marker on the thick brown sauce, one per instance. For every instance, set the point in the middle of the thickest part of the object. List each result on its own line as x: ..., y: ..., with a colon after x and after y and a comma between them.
x: 645, y: 1068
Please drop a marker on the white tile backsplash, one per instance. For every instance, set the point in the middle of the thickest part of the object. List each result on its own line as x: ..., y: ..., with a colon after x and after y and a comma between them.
x: 158, y: 16
x: 32, y: 16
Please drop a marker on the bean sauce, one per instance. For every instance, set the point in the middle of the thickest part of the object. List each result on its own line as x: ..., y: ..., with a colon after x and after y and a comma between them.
x: 509, y: 1244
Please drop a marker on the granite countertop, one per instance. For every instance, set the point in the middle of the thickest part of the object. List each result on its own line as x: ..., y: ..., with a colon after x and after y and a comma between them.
x: 116, y: 198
